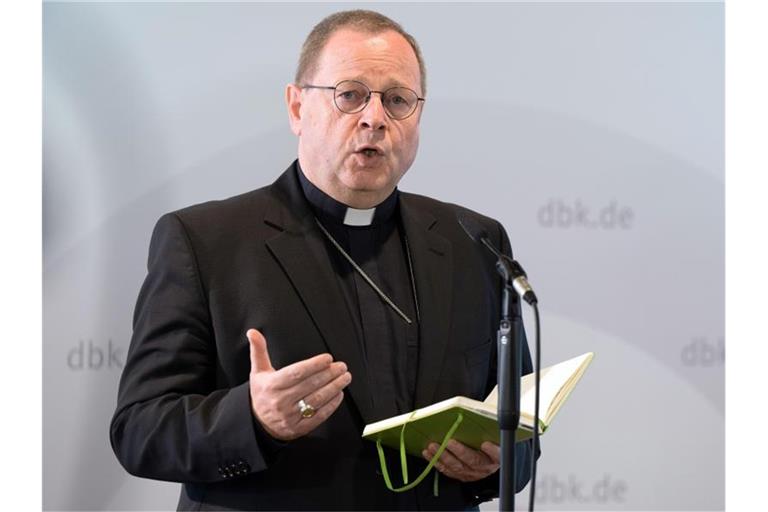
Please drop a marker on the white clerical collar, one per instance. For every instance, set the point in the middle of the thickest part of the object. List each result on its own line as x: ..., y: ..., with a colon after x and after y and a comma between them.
x: 355, y: 217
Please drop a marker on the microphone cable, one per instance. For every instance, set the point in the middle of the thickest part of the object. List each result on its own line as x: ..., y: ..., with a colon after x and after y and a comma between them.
x: 537, y: 370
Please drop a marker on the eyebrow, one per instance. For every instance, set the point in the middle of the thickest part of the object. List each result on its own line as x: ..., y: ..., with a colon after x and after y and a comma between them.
x: 391, y: 84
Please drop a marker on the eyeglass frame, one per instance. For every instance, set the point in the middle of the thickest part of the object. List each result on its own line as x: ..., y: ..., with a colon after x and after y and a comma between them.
x: 368, y: 97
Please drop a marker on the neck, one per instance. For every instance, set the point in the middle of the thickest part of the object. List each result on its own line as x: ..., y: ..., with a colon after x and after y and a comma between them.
x: 361, y: 199
x: 346, y: 212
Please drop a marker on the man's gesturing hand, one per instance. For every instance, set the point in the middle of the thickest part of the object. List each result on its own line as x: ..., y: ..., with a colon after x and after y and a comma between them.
x: 275, y: 393
x: 463, y: 463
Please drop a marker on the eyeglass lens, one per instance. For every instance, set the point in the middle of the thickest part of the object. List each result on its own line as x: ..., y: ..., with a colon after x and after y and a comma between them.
x: 352, y: 97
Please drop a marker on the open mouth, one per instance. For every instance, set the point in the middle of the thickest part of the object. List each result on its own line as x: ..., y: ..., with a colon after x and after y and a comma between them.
x: 369, y: 151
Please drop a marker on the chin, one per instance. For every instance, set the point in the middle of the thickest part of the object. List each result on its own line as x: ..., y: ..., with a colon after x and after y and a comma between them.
x: 368, y: 177
x: 369, y: 185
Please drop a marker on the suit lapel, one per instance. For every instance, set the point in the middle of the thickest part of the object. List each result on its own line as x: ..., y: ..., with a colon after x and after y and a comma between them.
x: 301, y: 251
x: 432, y: 257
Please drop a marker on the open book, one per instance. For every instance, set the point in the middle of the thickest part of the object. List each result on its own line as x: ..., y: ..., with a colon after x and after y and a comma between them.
x: 478, y: 419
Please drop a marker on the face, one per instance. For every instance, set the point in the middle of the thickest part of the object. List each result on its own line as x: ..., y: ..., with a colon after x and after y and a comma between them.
x: 359, y: 158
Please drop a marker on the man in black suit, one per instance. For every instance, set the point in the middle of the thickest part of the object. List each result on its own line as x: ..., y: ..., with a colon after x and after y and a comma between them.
x: 274, y: 325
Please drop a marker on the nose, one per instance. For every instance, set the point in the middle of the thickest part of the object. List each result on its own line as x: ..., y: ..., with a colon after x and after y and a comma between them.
x: 373, y: 115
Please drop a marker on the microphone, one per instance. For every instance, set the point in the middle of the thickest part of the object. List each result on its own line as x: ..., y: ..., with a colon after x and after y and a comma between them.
x: 510, y: 269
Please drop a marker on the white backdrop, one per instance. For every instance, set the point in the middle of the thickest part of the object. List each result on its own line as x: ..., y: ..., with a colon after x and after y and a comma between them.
x: 594, y: 132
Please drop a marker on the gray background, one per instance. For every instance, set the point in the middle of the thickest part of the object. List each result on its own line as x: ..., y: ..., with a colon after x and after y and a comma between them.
x: 594, y: 132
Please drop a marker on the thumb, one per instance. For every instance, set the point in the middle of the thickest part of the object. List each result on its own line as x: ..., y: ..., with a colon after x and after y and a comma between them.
x: 259, y: 356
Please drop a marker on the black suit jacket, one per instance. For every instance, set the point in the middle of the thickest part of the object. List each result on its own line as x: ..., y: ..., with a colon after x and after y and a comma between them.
x: 258, y: 260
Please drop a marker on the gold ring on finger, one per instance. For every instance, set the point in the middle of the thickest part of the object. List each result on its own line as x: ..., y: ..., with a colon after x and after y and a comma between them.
x: 306, y: 410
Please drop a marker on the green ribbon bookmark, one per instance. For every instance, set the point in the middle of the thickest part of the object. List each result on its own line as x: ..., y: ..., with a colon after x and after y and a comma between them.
x: 404, y: 461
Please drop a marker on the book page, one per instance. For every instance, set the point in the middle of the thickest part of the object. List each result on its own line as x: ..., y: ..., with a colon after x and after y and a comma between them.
x: 553, y: 380
x: 493, y: 397
x: 556, y: 383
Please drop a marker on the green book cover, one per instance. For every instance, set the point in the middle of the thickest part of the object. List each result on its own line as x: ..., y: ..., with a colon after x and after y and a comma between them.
x: 478, y: 423
x: 473, y: 431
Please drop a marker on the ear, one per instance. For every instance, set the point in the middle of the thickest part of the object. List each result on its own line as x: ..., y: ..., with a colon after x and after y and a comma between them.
x: 420, y: 110
x: 293, y: 102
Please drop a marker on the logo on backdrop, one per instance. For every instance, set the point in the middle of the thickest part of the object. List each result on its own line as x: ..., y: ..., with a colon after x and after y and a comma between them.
x: 94, y: 356
x: 704, y: 352
x: 563, y: 214
x: 551, y: 488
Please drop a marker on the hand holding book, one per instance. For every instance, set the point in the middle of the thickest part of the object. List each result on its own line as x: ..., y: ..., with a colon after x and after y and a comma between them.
x: 471, y: 422
x: 460, y: 462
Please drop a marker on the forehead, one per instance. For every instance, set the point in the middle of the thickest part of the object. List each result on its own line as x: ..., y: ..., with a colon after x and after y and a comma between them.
x: 379, y: 60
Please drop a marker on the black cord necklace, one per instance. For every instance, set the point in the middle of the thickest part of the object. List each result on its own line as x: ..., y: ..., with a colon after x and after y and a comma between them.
x: 370, y: 282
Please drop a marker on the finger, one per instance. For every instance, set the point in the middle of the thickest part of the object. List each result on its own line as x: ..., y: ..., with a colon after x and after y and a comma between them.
x: 467, y: 455
x: 466, y: 461
x: 293, y: 374
x: 307, y: 425
x: 492, y: 451
x: 317, y: 381
x: 325, y: 394
x: 429, y: 454
x: 448, y: 459
x: 452, y: 470
x: 447, y: 471
x: 258, y: 349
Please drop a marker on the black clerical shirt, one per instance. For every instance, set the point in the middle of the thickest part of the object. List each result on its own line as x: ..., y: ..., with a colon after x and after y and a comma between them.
x: 378, y: 245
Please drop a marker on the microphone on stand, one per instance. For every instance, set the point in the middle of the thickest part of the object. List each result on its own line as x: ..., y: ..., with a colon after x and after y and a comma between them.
x: 512, y: 269
x: 509, y: 370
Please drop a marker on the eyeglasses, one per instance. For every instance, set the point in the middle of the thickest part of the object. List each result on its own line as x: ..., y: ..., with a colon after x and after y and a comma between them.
x: 351, y: 97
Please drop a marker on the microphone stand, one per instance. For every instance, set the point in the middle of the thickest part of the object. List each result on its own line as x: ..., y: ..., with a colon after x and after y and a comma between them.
x: 509, y: 373
x: 509, y: 360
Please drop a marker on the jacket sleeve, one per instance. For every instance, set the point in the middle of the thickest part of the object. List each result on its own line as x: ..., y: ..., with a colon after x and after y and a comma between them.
x: 171, y: 421
x: 488, y: 488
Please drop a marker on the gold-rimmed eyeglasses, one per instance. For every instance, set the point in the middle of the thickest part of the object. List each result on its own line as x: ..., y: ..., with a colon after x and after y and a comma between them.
x: 351, y: 97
